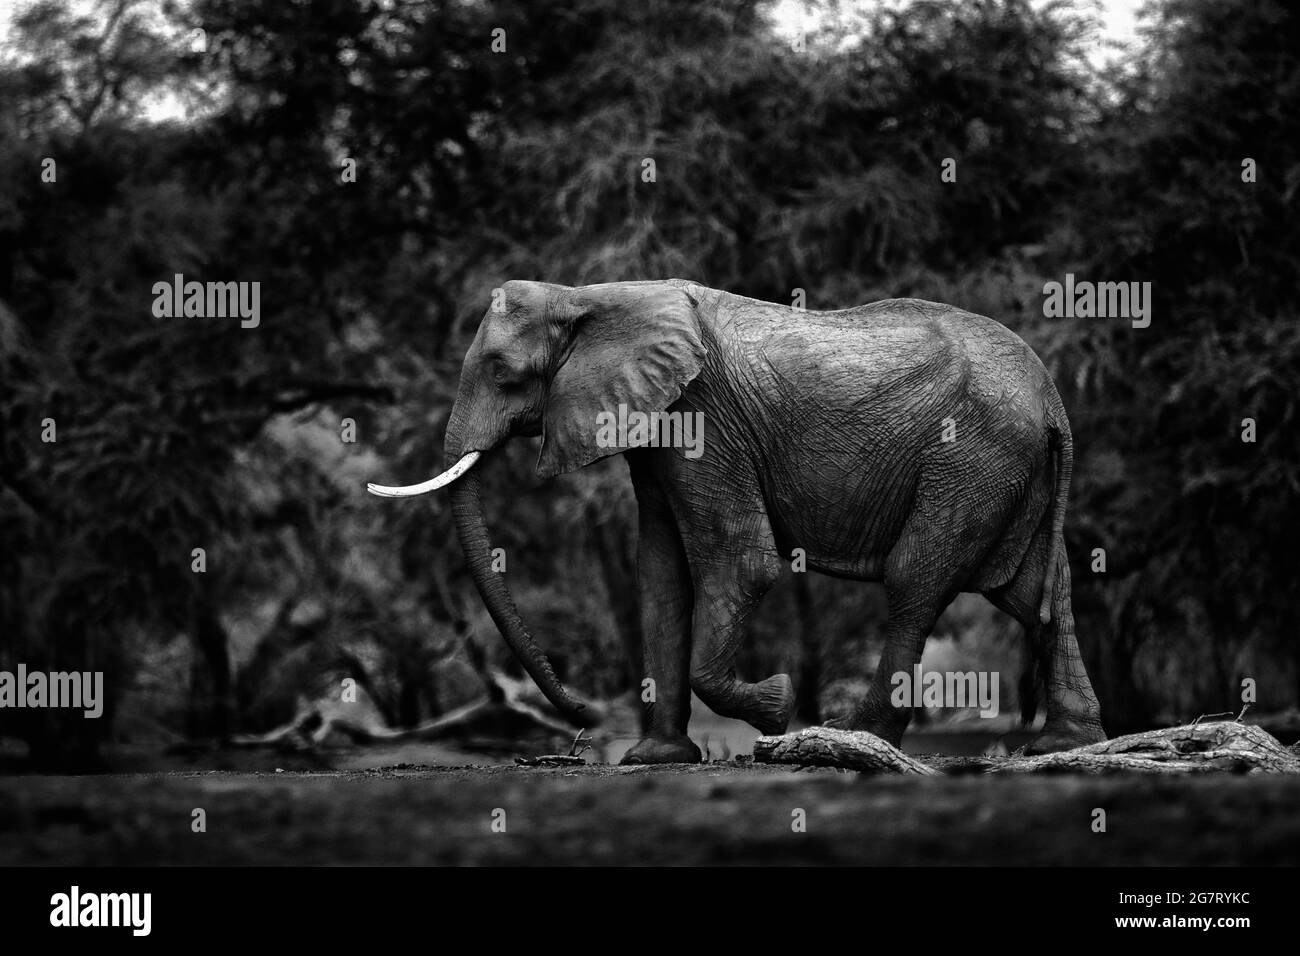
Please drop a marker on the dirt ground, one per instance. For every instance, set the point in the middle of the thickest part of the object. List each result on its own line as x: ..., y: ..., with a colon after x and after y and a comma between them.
x: 709, y: 814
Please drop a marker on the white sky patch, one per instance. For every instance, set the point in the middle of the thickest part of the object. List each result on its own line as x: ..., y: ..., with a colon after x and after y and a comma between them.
x: 158, y: 105
x: 1117, y: 20
x: 1117, y: 27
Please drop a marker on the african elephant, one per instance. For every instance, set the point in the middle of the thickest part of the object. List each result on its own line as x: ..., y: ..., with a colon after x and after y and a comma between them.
x: 904, y: 441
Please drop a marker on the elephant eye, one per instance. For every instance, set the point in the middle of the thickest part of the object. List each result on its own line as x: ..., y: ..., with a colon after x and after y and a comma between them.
x: 502, y: 374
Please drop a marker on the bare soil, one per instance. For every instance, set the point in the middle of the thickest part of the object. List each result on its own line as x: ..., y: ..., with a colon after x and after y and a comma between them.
x: 721, y: 813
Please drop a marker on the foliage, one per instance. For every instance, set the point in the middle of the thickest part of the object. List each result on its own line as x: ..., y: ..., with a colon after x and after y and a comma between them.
x: 776, y: 168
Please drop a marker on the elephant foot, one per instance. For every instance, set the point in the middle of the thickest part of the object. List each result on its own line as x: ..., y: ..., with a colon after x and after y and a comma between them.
x: 662, y: 750
x: 773, y: 705
x: 887, y: 722
x: 1054, y: 738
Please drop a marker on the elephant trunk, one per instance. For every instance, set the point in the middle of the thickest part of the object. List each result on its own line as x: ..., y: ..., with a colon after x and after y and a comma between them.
x: 467, y: 511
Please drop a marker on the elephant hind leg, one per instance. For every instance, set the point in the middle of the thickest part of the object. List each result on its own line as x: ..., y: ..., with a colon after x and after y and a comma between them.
x: 1073, y: 714
x: 921, y: 579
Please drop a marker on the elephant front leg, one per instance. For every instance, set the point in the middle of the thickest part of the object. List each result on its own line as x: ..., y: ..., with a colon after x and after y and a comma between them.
x: 726, y: 591
x: 666, y: 596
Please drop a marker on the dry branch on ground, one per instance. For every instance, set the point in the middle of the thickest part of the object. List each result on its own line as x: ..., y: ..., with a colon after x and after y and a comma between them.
x: 1224, y: 745
x: 830, y: 747
x: 317, y: 719
x: 1190, y: 748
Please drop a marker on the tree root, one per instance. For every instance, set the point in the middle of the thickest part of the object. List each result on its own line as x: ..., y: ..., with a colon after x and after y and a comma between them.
x: 830, y: 747
x: 316, y: 720
x: 1222, y: 746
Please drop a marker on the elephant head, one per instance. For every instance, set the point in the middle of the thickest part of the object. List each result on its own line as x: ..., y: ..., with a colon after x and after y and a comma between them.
x: 548, y: 360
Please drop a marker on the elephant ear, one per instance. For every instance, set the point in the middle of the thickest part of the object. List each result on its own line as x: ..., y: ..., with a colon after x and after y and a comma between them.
x: 636, y: 345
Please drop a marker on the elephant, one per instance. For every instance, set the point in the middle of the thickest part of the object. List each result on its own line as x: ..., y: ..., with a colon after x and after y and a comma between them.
x: 904, y: 442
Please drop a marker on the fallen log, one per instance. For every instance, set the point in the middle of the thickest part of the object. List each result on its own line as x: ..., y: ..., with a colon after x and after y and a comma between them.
x: 831, y: 747
x: 1223, y: 745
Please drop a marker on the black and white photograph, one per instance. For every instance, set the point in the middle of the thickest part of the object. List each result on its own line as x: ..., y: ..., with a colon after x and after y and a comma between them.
x: 625, y: 434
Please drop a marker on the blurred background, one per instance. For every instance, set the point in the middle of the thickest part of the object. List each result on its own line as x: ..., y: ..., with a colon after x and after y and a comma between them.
x: 796, y: 147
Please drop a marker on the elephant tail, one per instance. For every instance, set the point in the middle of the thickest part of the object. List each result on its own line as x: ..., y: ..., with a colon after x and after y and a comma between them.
x: 1061, y: 448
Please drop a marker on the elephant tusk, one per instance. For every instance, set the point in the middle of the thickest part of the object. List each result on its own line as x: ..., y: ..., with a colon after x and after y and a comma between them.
x: 433, y: 484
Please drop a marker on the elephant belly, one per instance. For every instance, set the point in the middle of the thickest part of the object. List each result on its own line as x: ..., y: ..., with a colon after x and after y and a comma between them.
x: 845, y: 515
x: 846, y: 497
